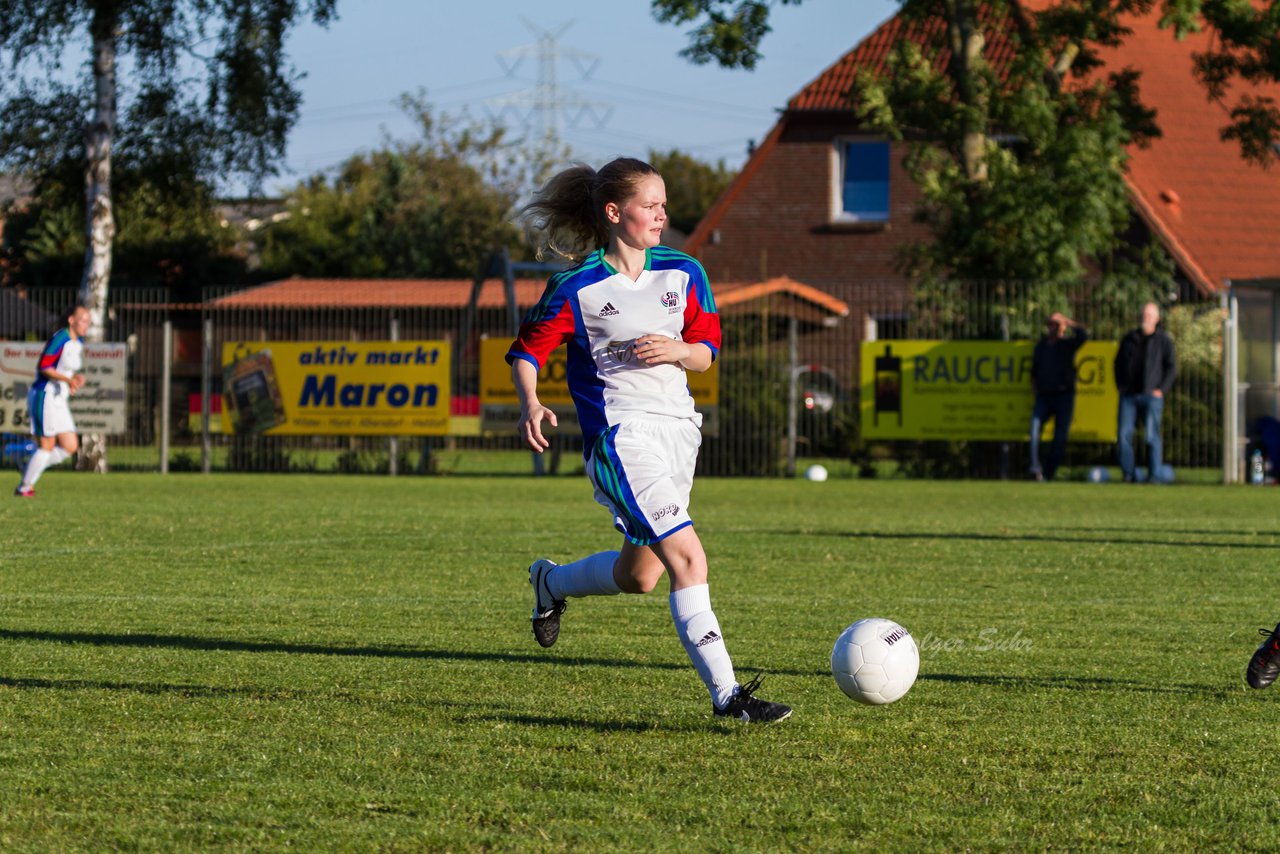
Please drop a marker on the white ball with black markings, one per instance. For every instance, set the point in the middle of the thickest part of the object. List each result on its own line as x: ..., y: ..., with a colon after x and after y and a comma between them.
x: 875, y: 661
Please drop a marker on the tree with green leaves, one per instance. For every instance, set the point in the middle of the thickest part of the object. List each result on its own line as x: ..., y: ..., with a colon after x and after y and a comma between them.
x: 727, y: 32
x: 210, y: 85
x: 433, y: 206
x: 169, y: 233
x: 1020, y: 166
x: 212, y: 94
x: 437, y: 205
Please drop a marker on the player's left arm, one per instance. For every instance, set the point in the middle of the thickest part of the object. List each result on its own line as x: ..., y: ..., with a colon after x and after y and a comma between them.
x: 655, y: 349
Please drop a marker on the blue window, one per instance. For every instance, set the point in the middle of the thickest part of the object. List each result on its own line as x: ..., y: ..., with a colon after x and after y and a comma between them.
x: 864, y: 169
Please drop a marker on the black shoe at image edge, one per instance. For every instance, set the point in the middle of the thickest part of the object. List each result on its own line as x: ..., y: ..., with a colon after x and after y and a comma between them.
x: 1264, y: 666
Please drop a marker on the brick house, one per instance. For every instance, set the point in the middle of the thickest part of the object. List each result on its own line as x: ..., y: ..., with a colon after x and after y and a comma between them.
x: 785, y: 214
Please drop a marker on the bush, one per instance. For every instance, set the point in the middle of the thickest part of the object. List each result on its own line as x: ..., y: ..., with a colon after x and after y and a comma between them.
x: 257, y: 453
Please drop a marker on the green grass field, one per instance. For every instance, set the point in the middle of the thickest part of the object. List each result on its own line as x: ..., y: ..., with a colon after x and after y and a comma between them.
x: 326, y: 662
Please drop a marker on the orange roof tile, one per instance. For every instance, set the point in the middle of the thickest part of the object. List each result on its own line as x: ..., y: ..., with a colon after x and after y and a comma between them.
x: 1218, y: 214
x: 738, y: 294
x: 455, y: 293
x: 830, y: 90
x: 377, y: 293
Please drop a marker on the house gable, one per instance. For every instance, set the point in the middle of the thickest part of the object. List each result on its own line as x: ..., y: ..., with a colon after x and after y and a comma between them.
x: 1217, y: 215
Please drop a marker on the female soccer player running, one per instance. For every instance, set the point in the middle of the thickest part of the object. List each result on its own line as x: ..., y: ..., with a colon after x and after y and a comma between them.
x: 49, y: 400
x: 635, y: 316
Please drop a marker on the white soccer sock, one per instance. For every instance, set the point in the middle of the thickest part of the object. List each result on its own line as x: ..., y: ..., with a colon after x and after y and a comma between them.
x: 590, y: 576
x: 39, y: 461
x: 57, y: 455
x: 700, y: 633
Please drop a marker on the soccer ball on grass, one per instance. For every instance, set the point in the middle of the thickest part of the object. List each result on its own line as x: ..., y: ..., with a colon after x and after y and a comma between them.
x: 875, y: 661
x: 816, y: 473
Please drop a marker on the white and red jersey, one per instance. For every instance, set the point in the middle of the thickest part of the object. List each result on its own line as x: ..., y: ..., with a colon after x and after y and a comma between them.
x: 599, y: 313
x: 64, y: 353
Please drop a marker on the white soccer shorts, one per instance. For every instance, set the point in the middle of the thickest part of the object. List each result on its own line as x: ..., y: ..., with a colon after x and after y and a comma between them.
x: 642, y: 471
x: 50, y: 410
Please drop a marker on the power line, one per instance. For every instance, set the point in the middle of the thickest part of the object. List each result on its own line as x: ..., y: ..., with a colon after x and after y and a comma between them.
x: 726, y: 147
x: 675, y: 101
x: 547, y: 103
x: 342, y: 111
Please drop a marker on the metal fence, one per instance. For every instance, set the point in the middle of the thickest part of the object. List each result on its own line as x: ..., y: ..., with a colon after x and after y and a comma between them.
x: 789, y: 388
x: 755, y: 383
x: 137, y: 318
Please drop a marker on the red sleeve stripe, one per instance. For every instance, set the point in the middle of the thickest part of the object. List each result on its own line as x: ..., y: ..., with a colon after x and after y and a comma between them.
x: 53, y: 350
x: 537, y: 339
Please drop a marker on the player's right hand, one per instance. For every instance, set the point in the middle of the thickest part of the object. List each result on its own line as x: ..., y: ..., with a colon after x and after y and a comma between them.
x: 530, y: 427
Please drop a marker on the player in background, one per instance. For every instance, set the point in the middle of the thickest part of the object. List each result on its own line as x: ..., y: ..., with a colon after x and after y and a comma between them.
x: 1264, y: 666
x: 49, y: 400
x: 635, y: 316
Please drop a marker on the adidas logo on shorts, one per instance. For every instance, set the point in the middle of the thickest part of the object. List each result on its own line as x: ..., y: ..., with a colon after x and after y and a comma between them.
x: 609, y: 310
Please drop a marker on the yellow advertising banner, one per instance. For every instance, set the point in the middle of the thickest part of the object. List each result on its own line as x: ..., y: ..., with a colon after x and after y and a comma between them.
x: 500, y: 407
x: 360, y: 388
x: 975, y: 390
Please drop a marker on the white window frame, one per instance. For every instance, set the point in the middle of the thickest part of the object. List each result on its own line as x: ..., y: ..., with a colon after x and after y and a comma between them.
x: 839, y: 152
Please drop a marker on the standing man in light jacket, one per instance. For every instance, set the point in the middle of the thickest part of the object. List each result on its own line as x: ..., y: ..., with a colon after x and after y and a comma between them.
x: 1145, y: 368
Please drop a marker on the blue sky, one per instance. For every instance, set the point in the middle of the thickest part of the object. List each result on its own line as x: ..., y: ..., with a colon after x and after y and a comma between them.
x: 623, y: 87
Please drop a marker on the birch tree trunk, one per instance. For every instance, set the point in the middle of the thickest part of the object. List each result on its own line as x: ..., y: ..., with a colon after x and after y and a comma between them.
x: 100, y: 226
x: 967, y: 45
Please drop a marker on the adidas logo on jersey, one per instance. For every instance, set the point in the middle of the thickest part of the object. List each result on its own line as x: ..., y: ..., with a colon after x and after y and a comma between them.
x: 609, y: 310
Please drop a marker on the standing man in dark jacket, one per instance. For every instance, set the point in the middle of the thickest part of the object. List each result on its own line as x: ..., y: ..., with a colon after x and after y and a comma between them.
x: 1145, y: 369
x: 1053, y: 379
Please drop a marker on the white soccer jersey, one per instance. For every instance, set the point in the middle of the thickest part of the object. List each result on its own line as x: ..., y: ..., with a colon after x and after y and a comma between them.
x: 599, y: 313
x: 63, y: 354
x: 49, y: 400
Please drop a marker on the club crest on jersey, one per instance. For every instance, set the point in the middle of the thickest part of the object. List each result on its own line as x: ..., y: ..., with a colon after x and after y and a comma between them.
x: 620, y: 351
x: 671, y: 300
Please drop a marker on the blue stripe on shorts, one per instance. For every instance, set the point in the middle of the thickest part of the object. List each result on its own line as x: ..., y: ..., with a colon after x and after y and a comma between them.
x: 36, y: 410
x: 612, y: 480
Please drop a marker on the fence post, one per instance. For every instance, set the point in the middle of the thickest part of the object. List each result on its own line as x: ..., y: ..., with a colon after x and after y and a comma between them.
x: 793, y: 357
x: 1231, y: 458
x: 206, y: 388
x: 166, y: 384
x: 393, y: 443
x: 1004, y: 446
